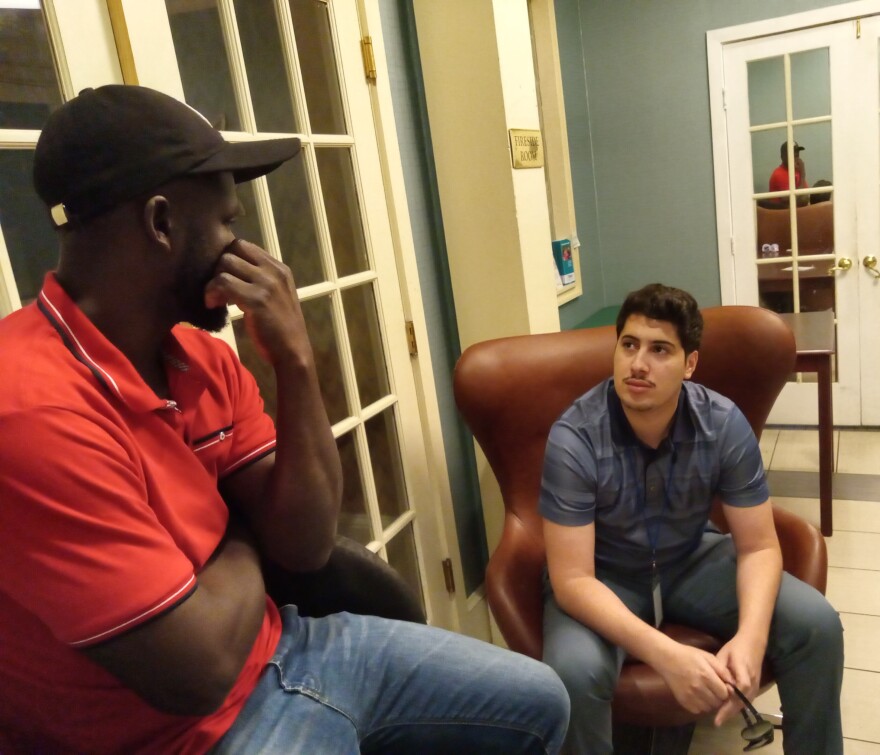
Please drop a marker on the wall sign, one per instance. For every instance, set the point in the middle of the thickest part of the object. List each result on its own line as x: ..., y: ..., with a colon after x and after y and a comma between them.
x: 526, y: 148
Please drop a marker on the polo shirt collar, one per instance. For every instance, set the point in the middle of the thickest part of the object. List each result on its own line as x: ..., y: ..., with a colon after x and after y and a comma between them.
x: 109, y: 366
x: 622, y: 434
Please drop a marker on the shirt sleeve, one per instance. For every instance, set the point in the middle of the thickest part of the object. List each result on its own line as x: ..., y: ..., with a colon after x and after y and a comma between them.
x: 568, y: 482
x: 742, y: 480
x: 80, y: 546
x: 778, y: 179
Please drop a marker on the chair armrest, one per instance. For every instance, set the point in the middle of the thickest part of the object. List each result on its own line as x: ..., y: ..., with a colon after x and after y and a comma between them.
x: 354, y: 579
x: 804, y: 554
x: 514, y: 588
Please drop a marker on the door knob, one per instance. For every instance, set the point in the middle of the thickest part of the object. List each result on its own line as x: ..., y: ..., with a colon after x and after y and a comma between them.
x: 870, y: 263
x: 844, y: 263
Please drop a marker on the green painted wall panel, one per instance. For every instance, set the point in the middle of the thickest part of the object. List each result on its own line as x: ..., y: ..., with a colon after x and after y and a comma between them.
x: 639, y: 99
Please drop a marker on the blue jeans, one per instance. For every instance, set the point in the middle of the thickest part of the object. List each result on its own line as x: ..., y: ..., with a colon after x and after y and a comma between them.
x: 804, y: 648
x: 360, y: 684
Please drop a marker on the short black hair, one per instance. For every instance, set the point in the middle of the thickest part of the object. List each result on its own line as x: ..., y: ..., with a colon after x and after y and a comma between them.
x: 825, y: 196
x: 658, y: 302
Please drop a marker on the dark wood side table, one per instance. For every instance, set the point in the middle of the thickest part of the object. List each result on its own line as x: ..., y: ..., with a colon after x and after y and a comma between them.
x: 815, y: 344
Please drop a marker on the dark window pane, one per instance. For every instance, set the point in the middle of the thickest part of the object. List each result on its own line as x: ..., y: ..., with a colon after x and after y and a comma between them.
x: 354, y: 522
x: 247, y: 225
x: 343, y: 210
x: 318, y: 315
x: 367, y: 351
x: 317, y: 60
x: 262, y: 371
x: 295, y: 221
x: 265, y: 65
x: 201, y: 58
x: 29, y: 88
x: 402, y: 556
x: 30, y: 240
x: 384, y: 448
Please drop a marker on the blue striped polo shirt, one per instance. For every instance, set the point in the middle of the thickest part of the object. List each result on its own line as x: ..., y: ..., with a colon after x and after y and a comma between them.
x: 596, y: 470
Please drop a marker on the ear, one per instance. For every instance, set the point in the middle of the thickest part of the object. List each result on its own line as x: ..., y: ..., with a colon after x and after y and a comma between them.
x: 157, y: 220
x: 690, y: 364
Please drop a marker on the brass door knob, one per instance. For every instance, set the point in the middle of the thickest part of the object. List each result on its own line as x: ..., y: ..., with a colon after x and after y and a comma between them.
x: 870, y: 263
x: 844, y: 263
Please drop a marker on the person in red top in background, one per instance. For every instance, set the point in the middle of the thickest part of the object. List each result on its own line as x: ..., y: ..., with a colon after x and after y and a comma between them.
x: 141, y: 482
x: 779, y: 177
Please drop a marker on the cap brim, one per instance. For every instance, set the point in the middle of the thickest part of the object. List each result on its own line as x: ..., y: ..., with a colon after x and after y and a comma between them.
x: 251, y: 159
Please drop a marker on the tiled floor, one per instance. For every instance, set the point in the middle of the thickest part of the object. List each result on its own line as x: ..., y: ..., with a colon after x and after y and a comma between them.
x: 853, y: 583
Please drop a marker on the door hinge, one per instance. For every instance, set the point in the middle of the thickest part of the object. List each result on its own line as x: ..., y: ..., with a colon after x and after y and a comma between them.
x: 732, y: 247
x: 724, y: 100
x: 449, y: 576
x: 369, y: 59
x: 858, y: 28
x: 411, y: 339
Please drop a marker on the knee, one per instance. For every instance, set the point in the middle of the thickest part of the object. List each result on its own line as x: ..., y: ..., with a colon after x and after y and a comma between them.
x: 816, y: 634
x: 552, y: 691
x: 827, y: 630
x: 588, y: 679
x: 541, y: 690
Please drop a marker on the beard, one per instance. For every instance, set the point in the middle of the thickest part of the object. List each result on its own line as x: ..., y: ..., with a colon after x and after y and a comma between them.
x: 195, y: 271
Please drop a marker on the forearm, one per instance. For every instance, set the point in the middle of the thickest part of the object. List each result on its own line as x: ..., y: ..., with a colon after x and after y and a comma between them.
x: 291, y: 500
x: 187, y: 660
x: 232, y: 591
x: 597, y: 607
x: 758, y: 575
x: 304, y: 492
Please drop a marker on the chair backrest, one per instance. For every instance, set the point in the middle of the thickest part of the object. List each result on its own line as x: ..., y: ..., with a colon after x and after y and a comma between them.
x: 511, y: 390
x: 815, y: 224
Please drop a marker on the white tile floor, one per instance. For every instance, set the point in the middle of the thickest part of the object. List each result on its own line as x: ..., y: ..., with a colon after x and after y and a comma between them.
x: 853, y: 587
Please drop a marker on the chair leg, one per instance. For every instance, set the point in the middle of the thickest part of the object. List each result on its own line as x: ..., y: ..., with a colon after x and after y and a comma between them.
x: 773, y: 718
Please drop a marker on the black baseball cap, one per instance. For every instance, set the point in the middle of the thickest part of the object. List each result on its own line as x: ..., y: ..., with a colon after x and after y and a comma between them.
x: 783, y: 150
x: 110, y: 144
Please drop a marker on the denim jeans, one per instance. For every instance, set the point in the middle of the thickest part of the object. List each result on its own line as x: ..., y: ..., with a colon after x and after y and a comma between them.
x: 804, y: 648
x: 359, y: 684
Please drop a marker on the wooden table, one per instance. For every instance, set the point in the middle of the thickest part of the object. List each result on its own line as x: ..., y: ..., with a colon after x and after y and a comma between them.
x: 815, y: 344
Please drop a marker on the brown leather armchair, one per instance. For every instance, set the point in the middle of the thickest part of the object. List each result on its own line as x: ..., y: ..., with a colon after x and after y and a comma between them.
x: 511, y: 390
x: 354, y: 579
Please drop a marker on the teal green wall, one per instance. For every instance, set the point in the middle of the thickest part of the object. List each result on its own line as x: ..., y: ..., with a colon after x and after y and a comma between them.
x: 636, y: 86
x: 414, y: 142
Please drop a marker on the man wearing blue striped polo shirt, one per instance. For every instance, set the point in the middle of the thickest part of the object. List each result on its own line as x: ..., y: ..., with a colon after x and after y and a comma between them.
x: 630, y: 472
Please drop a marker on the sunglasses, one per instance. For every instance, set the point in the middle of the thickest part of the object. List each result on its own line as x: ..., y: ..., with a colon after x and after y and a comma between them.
x: 758, y: 731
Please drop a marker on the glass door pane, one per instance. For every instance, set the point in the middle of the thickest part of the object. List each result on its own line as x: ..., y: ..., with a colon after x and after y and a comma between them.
x: 29, y: 91
x: 318, y: 65
x: 795, y: 223
x: 271, y: 67
x: 197, y: 30
x: 790, y: 123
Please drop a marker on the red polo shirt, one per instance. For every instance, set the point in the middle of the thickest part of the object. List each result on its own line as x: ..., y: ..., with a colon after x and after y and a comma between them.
x: 109, y: 508
x: 779, y: 180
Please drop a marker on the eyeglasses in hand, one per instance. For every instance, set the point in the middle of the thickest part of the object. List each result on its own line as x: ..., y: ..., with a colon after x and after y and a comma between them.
x: 758, y: 731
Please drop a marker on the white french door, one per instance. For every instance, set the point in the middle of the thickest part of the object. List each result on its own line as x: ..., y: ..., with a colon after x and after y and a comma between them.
x: 260, y: 68
x: 810, y: 248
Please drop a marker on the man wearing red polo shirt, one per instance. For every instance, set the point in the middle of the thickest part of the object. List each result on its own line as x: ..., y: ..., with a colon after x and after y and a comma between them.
x: 779, y: 178
x: 141, y: 480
